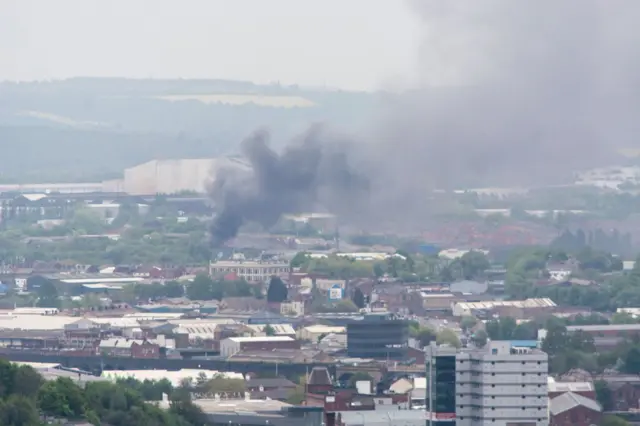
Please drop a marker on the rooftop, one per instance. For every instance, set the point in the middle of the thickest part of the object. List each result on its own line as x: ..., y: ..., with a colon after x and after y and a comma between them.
x: 604, y: 327
x: 240, y: 406
x: 490, y: 304
x: 261, y: 339
x: 570, y: 400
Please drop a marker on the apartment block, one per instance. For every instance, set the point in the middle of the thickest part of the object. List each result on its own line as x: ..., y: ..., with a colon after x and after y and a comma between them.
x: 499, y: 385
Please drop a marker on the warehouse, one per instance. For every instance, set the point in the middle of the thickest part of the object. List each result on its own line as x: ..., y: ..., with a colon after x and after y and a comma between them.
x: 173, y: 176
x: 234, y: 345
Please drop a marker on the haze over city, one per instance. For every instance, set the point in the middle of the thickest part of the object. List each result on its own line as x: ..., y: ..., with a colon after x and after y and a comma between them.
x: 329, y: 213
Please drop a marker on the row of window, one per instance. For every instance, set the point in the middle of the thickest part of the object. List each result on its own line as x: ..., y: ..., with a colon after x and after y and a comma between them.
x: 478, y: 395
x: 480, y: 384
x: 477, y: 373
x: 493, y: 420
x: 478, y: 362
x: 494, y: 408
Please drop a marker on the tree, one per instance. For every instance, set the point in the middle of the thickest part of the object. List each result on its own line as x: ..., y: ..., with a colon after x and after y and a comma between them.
x: 18, y: 411
x: 277, y: 291
x: 27, y: 381
x: 48, y: 295
x: 632, y: 361
x: 604, y: 395
x: 502, y: 328
x: 449, y: 337
x: 609, y: 420
x: 358, y: 298
x: 201, y: 288
x: 468, y: 322
x: 623, y: 318
x: 473, y: 263
x: 299, y: 259
x: 269, y: 330
x: 174, y: 289
x: 426, y: 335
x: 480, y: 338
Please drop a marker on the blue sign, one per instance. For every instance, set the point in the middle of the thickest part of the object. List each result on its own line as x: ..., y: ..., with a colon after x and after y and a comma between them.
x: 336, y: 293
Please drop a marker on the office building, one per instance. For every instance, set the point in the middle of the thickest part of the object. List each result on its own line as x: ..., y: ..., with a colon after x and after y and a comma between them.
x: 378, y: 336
x: 255, y: 271
x: 441, y: 385
x: 498, y: 385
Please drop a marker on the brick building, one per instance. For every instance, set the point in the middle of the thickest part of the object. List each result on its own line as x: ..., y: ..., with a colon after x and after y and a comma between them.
x: 234, y: 345
x: 571, y: 409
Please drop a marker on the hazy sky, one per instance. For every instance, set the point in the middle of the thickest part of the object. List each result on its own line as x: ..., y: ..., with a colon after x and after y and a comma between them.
x: 355, y: 44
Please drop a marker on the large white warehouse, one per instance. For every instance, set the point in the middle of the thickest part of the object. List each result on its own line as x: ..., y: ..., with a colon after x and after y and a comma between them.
x: 171, y: 176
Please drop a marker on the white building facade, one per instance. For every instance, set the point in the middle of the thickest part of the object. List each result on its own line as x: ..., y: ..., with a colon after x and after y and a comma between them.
x: 497, y: 385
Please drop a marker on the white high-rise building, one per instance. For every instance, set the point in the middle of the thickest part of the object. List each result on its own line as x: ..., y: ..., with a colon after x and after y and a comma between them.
x: 497, y: 385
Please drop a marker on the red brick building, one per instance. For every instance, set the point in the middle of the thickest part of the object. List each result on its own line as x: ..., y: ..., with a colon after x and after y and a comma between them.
x: 234, y: 345
x: 145, y: 349
x: 571, y: 409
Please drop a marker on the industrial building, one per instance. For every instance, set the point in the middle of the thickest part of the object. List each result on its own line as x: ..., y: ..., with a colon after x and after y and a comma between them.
x: 173, y: 176
x: 250, y: 270
x: 378, y: 336
x: 500, y: 385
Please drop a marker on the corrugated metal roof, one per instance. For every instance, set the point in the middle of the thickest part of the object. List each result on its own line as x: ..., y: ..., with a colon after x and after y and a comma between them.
x: 383, y: 418
x: 570, y: 400
x: 261, y: 339
x: 490, y: 304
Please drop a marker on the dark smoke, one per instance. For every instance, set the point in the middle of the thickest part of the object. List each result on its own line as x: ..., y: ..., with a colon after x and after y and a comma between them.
x: 312, y: 173
x: 511, y: 93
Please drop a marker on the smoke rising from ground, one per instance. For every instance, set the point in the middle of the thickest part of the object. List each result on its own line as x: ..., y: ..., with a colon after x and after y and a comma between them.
x: 511, y: 93
x: 311, y: 173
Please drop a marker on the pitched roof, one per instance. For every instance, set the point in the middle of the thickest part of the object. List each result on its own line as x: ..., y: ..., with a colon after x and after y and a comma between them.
x: 319, y: 376
x: 276, y: 382
x: 569, y: 400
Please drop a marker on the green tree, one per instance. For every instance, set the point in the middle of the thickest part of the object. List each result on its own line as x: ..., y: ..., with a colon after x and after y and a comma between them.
x: 632, y: 361
x: 502, y: 328
x: 27, y: 381
x: 173, y: 289
x: 269, y: 330
x: 480, y: 338
x: 201, y: 288
x: 468, y: 322
x: 473, y: 263
x: 299, y: 259
x: 448, y: 336
x: 48, y: 295
x: 277, y: 291
x: 19, y: 410
x: 609, y: 420
x: 604, y: 395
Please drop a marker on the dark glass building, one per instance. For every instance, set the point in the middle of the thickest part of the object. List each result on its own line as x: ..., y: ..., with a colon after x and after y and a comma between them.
x: 441, y: 386
x: 378, y: 336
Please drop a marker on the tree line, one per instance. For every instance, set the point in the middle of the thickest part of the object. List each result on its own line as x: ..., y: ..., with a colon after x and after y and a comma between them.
x: 26, y: 399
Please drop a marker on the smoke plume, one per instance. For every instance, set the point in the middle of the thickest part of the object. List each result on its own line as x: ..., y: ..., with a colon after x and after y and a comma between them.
x: 312, y: 173
x: 510, y: 93
x: 517, y: 92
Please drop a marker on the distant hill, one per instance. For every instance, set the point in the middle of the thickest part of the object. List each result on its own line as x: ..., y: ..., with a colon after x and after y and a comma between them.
x: 85, y: 128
